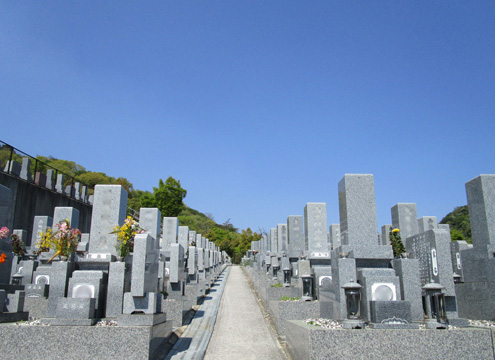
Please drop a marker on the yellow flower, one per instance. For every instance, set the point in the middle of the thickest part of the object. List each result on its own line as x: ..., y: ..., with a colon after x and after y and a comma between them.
x: 395, y: 230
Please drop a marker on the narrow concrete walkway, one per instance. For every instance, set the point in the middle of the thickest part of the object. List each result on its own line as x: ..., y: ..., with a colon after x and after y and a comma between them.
x: 194, y: 341
x: 240, y: 330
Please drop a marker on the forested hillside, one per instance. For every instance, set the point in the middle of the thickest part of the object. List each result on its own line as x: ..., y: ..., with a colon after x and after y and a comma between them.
x: 168, y: 196
x: 460, y: 226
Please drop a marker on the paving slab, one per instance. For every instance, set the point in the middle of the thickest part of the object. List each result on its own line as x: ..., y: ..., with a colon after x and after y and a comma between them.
x: 241, y: 331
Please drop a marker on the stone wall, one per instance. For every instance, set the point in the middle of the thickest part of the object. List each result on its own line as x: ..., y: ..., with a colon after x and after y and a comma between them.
x: 31, y: 200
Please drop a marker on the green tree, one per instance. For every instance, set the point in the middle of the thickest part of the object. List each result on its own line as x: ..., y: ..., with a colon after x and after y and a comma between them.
x: 147, y: 200
x: 169, y: 196
x: 396, y: 242
x: 460, y: 224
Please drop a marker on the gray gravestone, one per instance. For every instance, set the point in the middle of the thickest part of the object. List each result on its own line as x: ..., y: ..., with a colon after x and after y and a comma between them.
x: 192, y: 261
x: 315, y: 225
x: 70, y: 191
x: 183, y: 237
x: 59, y: 186
x: 109, y: 210
x: 40, y: 224
x: 295, y: 235
x: 432, y: 248
x: 476, y: 295
x: 404, y: 218
x: 199, y: 241
x: 273, y: 240
x: 144, y: 266
x: 49, y: 179
x: 282, y: 241
x: 170, y: 232
x: 25, y: 170
x: 40, y: 179
x: 84, y: 191
x: 358, y: 223
x: 58, y: 280
x: 410, y: 285
x: 335, y: 236
x: 89, y: 284
x: 149, y: 220
x: 66, y: 213
x: 77, y: 191
x: 13, y: 167
x: 116, y: 288
x: 176, y: 270
x: 426, y: 223
x: 192, y: 238
x: 386, y: 234
x: 481, y: 202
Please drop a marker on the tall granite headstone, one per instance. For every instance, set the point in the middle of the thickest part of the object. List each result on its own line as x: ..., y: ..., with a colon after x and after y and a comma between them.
x: 273, y: 241
x: 149, y: 220
x: 315, y: 226
x: 295, y: 235
x: 358, y: 222
x: 282, y: 239
x: 404, y: 218
x: 109, y: 210
x: 170, y: 231
x: 183, y: 237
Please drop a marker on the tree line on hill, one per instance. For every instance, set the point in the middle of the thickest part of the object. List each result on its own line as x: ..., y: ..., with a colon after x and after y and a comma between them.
x: 168, y: 197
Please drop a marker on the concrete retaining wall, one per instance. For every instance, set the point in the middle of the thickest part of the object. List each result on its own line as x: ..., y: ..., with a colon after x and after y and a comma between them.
x: 31, y: 200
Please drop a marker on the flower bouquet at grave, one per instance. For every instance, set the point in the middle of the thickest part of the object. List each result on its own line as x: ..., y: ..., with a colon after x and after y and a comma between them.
x: 63, y: 240
x: 396, y: 242
x: 4, y: 232
x: 125, y: 236
x: 18, y: 247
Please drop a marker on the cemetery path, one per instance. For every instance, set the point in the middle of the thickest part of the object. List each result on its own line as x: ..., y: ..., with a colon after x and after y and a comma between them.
x: 240, y: 330
x: 194, y: 341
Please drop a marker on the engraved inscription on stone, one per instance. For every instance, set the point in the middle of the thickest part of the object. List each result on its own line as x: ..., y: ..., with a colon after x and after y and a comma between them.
x: 434, y: 263
x: 458, y: 261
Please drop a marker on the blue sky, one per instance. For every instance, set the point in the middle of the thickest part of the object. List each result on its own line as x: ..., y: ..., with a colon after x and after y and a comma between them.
x: 258, y: 107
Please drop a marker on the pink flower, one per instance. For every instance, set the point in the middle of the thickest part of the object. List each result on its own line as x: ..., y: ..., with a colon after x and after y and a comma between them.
x: 4, y: 232
x: 62, y: 226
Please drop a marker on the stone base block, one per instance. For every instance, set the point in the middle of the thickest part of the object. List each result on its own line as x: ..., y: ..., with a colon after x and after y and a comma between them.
x: 75, y: 308
x: 83, y: 342
x: 311, y: 342
x: 174, y: 311
x: 36, y: 307
x: 292, y: 310
x: 141, y: 319
x: 145, y: 304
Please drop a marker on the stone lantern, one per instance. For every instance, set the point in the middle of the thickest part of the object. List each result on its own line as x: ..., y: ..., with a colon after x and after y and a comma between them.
x: 435, y: 306
x: 307, y: 282
x: 275, y: 270
x: 352, y: 292
x: 286, y: 271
